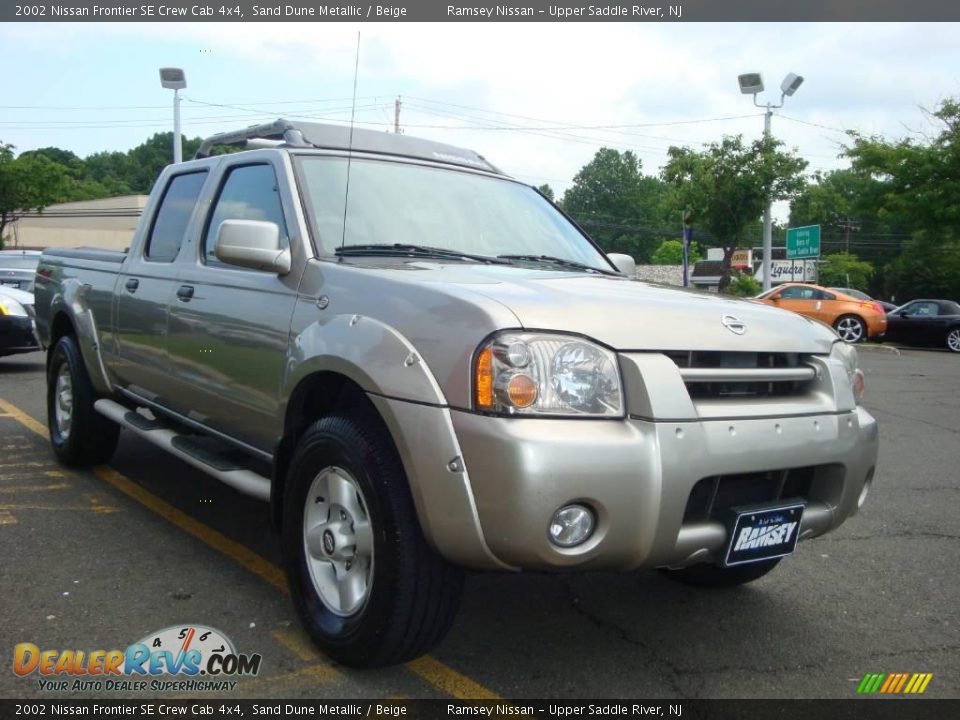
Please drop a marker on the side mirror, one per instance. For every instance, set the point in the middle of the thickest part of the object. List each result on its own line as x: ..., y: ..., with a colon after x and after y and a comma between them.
x: 624, y: 263
x: 252, y: 244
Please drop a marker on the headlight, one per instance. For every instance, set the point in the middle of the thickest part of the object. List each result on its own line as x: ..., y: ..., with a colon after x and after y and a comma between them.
x: 9, y: 306
x: 519, y: 373
x: 847, y: 354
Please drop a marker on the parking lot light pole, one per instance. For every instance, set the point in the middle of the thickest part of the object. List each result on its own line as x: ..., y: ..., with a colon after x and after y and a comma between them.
x: 175, y: 79
x: 752, y: 84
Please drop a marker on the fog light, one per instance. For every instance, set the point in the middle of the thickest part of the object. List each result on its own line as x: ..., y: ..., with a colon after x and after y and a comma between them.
x: 859, y: 385
x: 571, y: 526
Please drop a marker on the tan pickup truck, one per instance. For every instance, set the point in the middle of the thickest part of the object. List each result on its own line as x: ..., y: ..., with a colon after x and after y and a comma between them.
x: 424, y: 366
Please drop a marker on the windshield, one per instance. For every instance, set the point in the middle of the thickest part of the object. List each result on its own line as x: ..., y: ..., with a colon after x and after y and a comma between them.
x: 19, y: 262
x: 393, y: 203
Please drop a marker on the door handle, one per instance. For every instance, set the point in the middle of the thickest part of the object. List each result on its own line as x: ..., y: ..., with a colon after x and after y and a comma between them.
x: 185, y: 292
x: 132, y: 284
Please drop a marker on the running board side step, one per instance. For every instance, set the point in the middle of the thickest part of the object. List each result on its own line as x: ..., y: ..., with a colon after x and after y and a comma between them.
x: 154, y: 431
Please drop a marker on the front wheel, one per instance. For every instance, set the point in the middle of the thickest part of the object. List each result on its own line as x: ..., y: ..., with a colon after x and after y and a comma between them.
x: 365, y: 583
x: 953, y: 340
x: 80, y: 436
x: 714, y: 576
x: 851, y: 329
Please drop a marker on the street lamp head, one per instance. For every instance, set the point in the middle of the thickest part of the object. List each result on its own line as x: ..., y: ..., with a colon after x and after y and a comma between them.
x: 790, y: 84
x: 173, y: 78
x: 750, y: 83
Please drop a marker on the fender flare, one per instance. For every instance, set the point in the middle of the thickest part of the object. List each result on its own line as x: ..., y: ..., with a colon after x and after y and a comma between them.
x: 71, y: 301
x: 372, y: 354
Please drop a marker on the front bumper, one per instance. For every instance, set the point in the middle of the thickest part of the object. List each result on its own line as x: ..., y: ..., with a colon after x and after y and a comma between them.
x: 17, y: 335
x: 638, y: 476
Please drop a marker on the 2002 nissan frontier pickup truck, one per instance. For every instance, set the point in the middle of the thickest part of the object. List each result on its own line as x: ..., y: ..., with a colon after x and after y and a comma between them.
x: 424, y: 366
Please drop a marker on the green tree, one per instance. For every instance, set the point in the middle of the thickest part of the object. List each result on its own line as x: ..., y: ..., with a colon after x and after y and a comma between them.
x: 929, y: 266
x: 914, y: 192
x: 845, y: 270
x: 743, y: 285
x: 27, y: 183
x: 670, y: 252
x: 545, y: 189
x: 727, y: 185
x: 150, y: 157
x: 621, y: 208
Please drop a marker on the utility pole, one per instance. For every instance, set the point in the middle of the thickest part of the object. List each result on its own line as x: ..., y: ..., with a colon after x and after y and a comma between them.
x: 396, y: 115
x: 847, y: 225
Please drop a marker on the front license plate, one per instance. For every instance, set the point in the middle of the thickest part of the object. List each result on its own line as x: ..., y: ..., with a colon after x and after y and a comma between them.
x: 10, y: 283
x: 763, y: 533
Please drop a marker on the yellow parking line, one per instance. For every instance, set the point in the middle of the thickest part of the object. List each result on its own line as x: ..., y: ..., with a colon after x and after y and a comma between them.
x: 21, y: 417
x: 449, y: 680
x: 297, y: 643
x: 313, y: 673
x: 429, y: 668
x: 34, y: 488
x: 207, y: 535
x: 102, y: 509
x: 6, y: 518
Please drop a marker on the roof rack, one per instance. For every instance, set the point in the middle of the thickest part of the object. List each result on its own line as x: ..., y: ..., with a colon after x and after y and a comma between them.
x: 294, y: 134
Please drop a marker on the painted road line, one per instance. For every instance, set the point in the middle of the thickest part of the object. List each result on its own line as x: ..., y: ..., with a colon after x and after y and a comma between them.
x: 430, y: 669
x: 21, y: 417
x: 6, y: 518
x: 450, y: 681
x: 205, y: 534
x: 101, y: 509
x: 34, y: 488
x: 297, y: 643
x: 313, y: 673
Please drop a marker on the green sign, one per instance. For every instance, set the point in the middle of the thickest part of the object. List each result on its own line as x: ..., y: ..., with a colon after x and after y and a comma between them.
x: 803, y: 242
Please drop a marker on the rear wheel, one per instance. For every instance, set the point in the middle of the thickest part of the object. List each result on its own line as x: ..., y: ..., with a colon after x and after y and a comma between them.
x: 714, y: 576
x: 367, y: 586
x: 851, y: 329
x: 953, y: 340
x: 80, y: 436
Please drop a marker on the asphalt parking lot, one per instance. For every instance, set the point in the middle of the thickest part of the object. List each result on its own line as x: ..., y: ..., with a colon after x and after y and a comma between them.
x: 99, y: 559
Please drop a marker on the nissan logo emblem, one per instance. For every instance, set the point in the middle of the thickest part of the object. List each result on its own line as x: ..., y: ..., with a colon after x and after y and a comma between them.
x: 733, y: 325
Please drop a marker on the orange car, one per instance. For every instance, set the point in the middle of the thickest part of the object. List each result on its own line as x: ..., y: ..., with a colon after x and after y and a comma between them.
x: 854, y: 320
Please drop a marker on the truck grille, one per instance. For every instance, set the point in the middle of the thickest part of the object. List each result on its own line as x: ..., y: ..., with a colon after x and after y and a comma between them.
x: 717, y: 375
x: 714, y: 496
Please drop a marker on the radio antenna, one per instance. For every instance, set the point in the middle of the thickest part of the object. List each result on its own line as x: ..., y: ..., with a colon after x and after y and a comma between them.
x: 353, y: 111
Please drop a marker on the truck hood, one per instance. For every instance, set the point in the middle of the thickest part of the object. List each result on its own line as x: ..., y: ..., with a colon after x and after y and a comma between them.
x: 630, y: 315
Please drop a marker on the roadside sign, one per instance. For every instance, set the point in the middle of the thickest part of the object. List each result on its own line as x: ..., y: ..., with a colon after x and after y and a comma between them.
x: 803, y: 242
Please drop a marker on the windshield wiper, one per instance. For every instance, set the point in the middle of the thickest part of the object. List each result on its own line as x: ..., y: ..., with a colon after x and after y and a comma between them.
x: 404, y: 250
x: 563, y: 262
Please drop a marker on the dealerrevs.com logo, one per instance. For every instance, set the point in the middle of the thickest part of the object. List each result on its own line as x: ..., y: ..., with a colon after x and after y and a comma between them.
x: 200, y: 658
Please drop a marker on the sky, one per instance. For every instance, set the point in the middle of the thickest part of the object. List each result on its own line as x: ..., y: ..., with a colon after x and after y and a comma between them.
x: 538, y: 100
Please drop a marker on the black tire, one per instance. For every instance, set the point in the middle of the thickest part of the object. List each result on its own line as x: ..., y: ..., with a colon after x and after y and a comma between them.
x: 91, y: 438
x: 952, y: 339
x: 851, y: 329
x: 413, y: 593
x: 714, y: 576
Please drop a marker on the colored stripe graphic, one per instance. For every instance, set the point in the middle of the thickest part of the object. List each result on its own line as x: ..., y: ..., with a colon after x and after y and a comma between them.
x: 894, y: 683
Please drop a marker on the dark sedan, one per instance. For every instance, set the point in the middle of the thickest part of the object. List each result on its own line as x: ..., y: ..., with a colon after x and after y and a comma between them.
x: 926, y: 322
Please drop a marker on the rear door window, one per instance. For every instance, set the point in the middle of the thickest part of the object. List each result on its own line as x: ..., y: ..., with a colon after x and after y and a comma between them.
x: 172, y: 218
